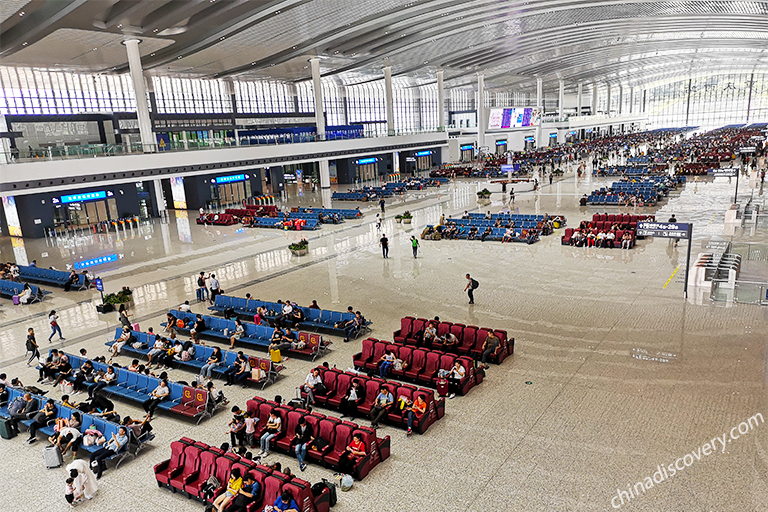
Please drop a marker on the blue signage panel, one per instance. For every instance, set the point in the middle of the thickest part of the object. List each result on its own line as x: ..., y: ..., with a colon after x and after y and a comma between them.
x: 663, y: 229
x: 99, y: 284
x: 230, y: 179
x: 501, y: 143
x: 88, y: 196
x: 364, y: 161
x: 552, y: 135
x: 467, y: 147
x: 530, y: 139
x: 508, y: 168
x: 423, y: 153
x: 95, y: 261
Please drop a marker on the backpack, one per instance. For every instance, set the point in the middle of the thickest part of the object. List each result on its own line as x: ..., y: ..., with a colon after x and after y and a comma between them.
x: 318, y: 488
x: 475, y: 284
x: 185, y: 356
x: 17, y: 405
x: 201, y: 282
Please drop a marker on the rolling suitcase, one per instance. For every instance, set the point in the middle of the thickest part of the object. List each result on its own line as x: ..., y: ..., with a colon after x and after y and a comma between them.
x: 442, y: 386
x: 16, y: 300
x: 6, y: 429
x: 135, y: 328
x: 52, y: 457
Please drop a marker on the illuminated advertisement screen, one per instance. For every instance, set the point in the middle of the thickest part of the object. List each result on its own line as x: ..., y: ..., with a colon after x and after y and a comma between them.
x: 12, y: 216
x: 423, y: 153
x: 177, y: 191
x: 364, y: 161
x: 501, y: 118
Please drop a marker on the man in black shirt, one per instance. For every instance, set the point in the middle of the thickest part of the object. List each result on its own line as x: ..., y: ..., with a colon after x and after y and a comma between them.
x: 384, y: 243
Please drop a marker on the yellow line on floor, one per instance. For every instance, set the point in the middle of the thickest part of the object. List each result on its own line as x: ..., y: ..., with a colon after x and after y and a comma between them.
x: 670, y: 277
x: 710, y: 220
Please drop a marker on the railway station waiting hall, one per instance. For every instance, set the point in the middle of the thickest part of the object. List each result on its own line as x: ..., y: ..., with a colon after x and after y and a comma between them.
x: 382, y: 256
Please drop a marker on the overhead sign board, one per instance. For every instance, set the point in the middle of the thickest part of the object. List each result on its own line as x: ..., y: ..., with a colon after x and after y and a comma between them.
x: 230, y: 179
x: 501, y: 142
x: 99, y: 284
x: 727, y: 172
x: 95, y: 261
x: 423, y: 153
x: 364, y: 161
x: 467, y: 147
x: 88, y: 196
x: 663, y: 229
x: 747, y: 149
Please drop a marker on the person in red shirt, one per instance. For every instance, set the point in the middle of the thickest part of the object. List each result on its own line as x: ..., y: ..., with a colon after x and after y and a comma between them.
x: 353, y: 453
x: 415, y: 411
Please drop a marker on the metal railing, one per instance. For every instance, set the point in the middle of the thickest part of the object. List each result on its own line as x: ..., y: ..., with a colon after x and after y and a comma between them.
x: 104, y: 150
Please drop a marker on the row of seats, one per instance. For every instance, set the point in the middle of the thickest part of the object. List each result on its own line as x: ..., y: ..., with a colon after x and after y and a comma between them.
x: 336, y: 432
x: 280, y: 223
x: 344, y: 213
x: 184, y: 400
x: 217, y: 219
x: 618, y: 235
x: 13, y: 288
x: 337, y: 383
x: 517, y: 217
x: 615, y: 199
x: 521, y: 235
x: 262, y: 209
x: 107, y: 428
x: 621, y: 218
x: 420, y: 365
x: 350, y: 196
x: 255, y: 335
x: 48, y: 276
x: 269, y: 370
x: 471, y: 338
x: 315, y: 319
x: 480, y: 222
x: 192, y: 463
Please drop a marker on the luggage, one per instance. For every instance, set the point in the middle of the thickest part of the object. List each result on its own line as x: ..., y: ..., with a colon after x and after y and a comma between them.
x: 6, y: 429
x: 297, y: 403
x: 52, y: 457
x: 135, y: 328
x: 319, y: 488
x: 442, y: 386
x: 16, y: 301
x: 345, y: 482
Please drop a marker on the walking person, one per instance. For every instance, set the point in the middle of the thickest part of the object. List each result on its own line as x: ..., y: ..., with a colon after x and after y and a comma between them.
x: 414, y: 245
x: 378, y: 222
x: 674, y: 220
x: 381, y: 205
x: 384, y: 243
x: 53, y: 319
x: 550, y: 178
x: 213, y: 284
x: 32, y: 347
x: 470, y: 288
x: 512, y: 196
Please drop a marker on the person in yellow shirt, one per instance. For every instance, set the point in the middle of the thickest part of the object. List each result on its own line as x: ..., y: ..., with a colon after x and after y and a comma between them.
x: 233, y: 487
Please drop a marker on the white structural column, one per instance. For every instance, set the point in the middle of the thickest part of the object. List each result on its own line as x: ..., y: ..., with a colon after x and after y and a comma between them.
x: 319, y: 114
x: 540, y: 93
x: 440, y: 101
x: 621, y: 99
x: 160, y: 196
x: 579, y: 98
x: 480, y: 111
x: 389, y: 100
x: 631, y: 100
x: 5, y: 144
x: 539, y: 133
x: 140, y: 91
x: 608, y: 99
x: 561, y: 99
x: 325, y: 183
x: 594, y: 98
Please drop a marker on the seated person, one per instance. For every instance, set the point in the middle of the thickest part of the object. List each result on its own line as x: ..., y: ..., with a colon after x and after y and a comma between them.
x: 488, y: 216
x: 450, y: 341
x: 283, y: 503
x: 472, y: 232
x: 509, y: 234
x: 385, y: 363
x: 26, y: 294
x: 352, y: 326
x: 486, y: 233
x: 454, y: 377
x: 246, y: 495
x: 430, y: 333
x: 352, y: 453
x: 413, y: 411
x: 609, y: 238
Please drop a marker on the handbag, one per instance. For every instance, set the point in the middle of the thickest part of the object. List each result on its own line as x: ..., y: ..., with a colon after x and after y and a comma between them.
x: 319, y: 443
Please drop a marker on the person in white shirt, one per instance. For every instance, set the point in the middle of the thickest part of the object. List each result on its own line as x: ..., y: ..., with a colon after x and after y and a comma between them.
x: 159, y: 394
x: 214, y: 287
x: 185, y: 307
x: 454, y: 378
x: 313, y: 383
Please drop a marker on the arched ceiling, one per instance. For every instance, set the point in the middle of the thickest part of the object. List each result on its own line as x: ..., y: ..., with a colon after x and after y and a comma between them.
x: 629, y: 42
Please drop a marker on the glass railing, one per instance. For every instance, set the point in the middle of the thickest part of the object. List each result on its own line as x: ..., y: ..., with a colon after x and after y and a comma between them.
x: 742, y: 292
x: 104, y: 150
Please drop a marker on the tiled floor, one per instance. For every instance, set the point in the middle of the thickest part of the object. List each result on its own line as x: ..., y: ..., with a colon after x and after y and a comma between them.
x: 613, y: 374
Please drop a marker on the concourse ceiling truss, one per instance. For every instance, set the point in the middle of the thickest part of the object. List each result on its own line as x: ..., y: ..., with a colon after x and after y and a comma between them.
x: 627, y: 42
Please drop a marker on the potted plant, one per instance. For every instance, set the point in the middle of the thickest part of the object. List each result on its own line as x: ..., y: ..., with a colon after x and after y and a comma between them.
x: 407, y: 217
x: 299, y: 248
x: 121, y: 297
x: 484, y: 194
x: 398, y: 218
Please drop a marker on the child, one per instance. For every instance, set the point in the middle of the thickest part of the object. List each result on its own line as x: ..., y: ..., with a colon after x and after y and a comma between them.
x: 69, y: 492
x: 250, y: 428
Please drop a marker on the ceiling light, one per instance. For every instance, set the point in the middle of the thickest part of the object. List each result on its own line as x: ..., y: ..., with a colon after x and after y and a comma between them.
x: 24, y: 43
x: 120, y: 26
x: 222, y: 38
x: 179, y: 57
x: 152, y: 54
x: 94, y: 49
x: 22, y: 13
x: 156, y: 30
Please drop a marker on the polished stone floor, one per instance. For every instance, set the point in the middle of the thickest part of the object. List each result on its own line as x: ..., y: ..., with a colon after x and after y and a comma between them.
x: 614, y: 373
